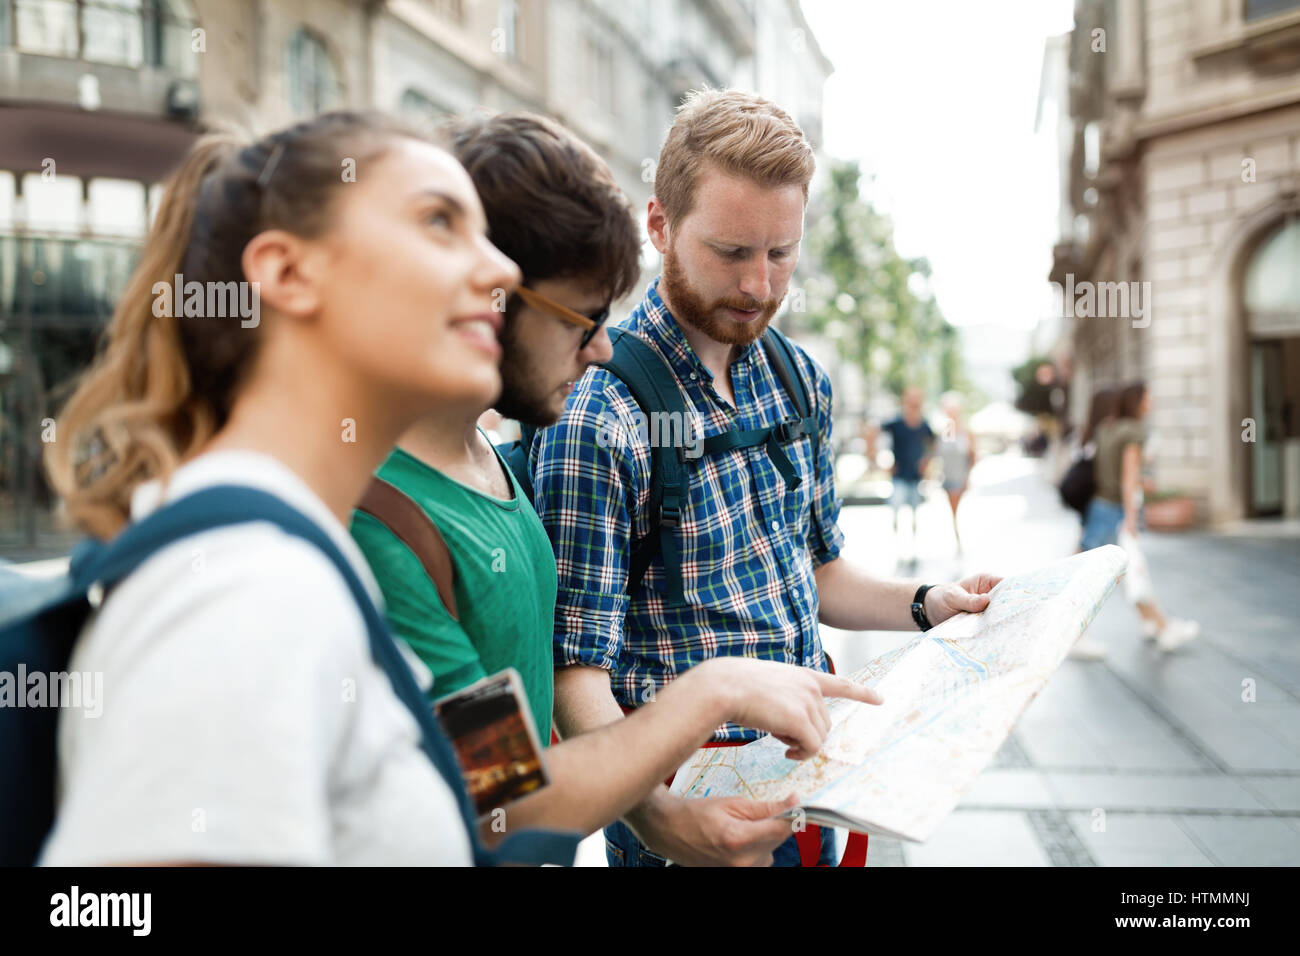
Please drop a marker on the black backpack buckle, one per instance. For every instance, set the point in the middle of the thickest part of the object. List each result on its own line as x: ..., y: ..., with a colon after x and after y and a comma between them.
x: 790, y: 430
x: 670, y: 516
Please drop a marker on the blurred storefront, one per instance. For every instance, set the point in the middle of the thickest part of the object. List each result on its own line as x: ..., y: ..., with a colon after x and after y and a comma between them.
x: 97, y: 101
x: 100, y: 98
x: 1181, y: 169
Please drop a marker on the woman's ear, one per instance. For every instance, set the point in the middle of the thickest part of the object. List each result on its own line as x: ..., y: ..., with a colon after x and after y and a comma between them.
x: 277, y: 265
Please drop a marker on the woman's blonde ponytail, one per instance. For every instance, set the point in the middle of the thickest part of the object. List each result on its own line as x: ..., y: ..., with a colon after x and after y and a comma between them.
x: 133, y: 415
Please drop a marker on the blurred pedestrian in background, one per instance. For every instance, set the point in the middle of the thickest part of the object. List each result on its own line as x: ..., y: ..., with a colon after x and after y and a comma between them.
x: 913, y: 442
x: 957, y: 452
x: 1079, y: 487
x: 1112, y: 516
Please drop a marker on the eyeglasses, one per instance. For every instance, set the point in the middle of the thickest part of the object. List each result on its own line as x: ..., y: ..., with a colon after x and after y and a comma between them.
x: 591, y: 323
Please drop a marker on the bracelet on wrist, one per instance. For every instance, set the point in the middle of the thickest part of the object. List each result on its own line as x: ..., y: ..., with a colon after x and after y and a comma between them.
x: 918, y: 608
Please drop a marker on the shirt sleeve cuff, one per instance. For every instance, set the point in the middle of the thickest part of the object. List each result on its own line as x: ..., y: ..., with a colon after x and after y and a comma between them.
x: 588, y: 628
x: 832, y: 545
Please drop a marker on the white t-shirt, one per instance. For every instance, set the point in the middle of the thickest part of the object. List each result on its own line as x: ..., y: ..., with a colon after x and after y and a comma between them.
x: 243, y: 719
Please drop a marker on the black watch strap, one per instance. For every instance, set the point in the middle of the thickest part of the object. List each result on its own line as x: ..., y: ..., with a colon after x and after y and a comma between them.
x: 918, y: 608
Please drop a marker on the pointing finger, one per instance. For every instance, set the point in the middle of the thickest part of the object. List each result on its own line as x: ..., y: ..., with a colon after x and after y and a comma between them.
x: 833, y: 686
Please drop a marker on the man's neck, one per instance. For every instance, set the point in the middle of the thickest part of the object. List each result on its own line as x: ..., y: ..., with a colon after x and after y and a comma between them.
x: 448, y: 441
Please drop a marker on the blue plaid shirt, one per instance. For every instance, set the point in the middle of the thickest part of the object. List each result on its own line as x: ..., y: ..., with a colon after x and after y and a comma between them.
x: 748, y: 544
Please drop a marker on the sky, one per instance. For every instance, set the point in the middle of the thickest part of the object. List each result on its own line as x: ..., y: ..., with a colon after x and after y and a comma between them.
x: 937, y: 99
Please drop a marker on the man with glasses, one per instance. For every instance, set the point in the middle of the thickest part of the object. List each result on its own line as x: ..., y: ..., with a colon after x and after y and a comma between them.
x: 552, y: 206
x: 589, y: 323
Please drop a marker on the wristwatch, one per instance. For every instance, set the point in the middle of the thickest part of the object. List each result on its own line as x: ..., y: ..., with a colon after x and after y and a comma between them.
x: 918, y: 608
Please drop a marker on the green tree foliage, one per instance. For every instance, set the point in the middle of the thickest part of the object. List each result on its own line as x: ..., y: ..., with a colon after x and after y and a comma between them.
x: 872, y: 302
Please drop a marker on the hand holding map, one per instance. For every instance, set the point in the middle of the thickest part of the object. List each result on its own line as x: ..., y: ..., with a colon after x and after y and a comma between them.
x: 951, y: 695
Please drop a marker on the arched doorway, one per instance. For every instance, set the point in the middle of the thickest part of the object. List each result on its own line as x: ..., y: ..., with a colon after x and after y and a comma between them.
x: 1270, y: 297
x: 1230, y: 346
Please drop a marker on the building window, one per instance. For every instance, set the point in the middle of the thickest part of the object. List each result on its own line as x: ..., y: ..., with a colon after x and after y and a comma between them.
x: 169, y: 36
x: 1091, y: 148
x: 155, y: 196
x: 508, y: 29
x: 313, y: 80
x: 8, y: 198
x: 122, y: 32
x: 53, y: 204
x: 419, y: 109
x: 113, y: 31
x: 600, y: 72
x: 1272, y: 288
x: 116, y: 207
x: 46, y: 26
x: 1259, y: 9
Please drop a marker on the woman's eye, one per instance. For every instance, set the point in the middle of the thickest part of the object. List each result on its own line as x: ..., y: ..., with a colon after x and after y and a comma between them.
x: 439, y: 219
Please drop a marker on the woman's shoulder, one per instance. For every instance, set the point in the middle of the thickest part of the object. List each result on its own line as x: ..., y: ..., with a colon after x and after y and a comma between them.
x: 1130, y: 430
x: 263, y: 590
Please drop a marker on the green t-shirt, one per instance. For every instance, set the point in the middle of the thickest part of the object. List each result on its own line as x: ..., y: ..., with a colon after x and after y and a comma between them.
x: 1112, y: 438
x: 505, y: 584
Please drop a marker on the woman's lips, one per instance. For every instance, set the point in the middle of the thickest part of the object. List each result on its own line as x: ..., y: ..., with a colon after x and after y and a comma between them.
x: 482, y: 332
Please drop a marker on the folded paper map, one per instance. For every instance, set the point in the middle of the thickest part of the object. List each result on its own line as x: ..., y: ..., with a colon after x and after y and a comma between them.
x: 951, y: 695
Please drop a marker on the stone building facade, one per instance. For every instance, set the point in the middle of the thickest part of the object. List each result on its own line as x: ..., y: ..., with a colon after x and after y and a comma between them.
x: 1183, y: 172
x: 100, y: 98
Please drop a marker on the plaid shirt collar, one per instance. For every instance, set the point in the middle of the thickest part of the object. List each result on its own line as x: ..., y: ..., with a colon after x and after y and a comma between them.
x: 653, y: 320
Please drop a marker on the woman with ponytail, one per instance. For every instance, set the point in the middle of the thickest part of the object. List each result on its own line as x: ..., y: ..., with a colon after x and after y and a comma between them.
x: 243, y: 718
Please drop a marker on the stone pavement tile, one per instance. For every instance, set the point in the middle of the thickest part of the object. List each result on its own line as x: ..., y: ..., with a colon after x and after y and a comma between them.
x: 1241, y: 590
x: 1201, y: 691
x: 1280, y: 793
x: 1137, y: 839
x: 1245, y: 841
x: 1010, y: 754
x: 1060, y: 743
x: 979, y: 838
x: 1009, y: 788
x: 1130, y: 791
x: 1086, y: 717
x: 1243, y: 746
x: 1058, y: 838
x: 881, y: 851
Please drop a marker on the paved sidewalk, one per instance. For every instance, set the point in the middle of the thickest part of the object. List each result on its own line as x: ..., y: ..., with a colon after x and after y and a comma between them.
x: 1190, y: 759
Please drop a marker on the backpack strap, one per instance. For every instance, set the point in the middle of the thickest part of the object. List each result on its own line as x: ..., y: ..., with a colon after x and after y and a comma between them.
x: 103, y: 565
x: 515, y: 454
x: 780, y: 353
x: 654, y: 387
x: 395, y: 510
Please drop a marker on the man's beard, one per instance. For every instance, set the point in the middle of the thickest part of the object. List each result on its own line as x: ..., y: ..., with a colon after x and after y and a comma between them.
x: 691, y: 308
x: 523, y: 397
